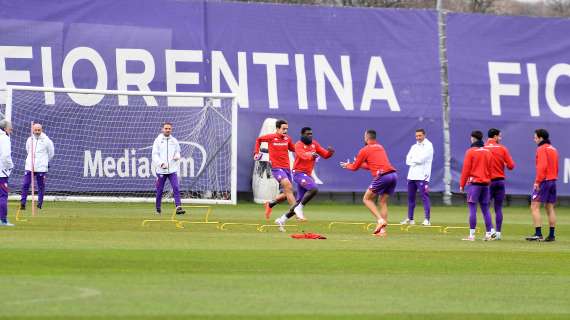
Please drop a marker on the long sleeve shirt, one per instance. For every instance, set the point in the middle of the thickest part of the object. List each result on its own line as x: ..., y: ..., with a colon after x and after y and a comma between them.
x: 546, y: 163
x: 476, y: 166
x: 419, y: 159
x: 164, y: 151
x: 43, y: 152
x: 372, y: 157
x: 6, y: 164
x: 501, y: 158
x: 304, y: 160
x: 279, y: 147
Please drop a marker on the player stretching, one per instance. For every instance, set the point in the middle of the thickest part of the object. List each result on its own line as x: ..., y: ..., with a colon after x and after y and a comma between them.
x: 43, y: 153
x: 279, y: 145
x: 476, y: 174
x: 6, y: 166
x: 544, y: 185
x: 419, y: 159
x: 165, y: 156
x: 501, y: 158
x: 373, y: 157
x: 306, y: 152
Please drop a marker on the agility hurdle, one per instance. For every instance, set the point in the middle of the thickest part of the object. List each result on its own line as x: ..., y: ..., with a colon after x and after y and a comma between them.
x: 180, y: 223
x: 447, y: 229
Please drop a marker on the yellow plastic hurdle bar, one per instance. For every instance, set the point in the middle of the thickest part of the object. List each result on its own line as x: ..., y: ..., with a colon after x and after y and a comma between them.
x: 265, y: 227
x: 180, y: 223
x: 372, y: 225
x: 447, y: 229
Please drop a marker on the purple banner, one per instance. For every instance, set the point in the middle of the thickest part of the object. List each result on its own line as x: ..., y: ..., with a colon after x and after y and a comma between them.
x: 510, y: 73
x: 339, y: 71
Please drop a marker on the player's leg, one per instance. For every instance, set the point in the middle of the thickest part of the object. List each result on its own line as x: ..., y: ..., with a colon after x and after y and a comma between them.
x: 538, y: 196
x: 370, y: 203
x: 25, y: 189
x: 498, y: 196
x: 412, y: 190
x: 279, y: 175
x: 173, y: 178
x: 160, y: 181
x: 550, y: 211
x: 473, y: 192
x: 484, y: 201
x: 41, y: 182
x: 4, y: 203
x: 424, y: 192
x: 307, y: 190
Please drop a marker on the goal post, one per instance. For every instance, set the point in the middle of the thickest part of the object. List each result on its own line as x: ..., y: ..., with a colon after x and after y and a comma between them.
x: 103, y: 142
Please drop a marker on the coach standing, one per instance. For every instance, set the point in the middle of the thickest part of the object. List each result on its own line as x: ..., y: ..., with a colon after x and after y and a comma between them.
x: 43, y: 152
x: 6, y: 166
x: 419, y: 160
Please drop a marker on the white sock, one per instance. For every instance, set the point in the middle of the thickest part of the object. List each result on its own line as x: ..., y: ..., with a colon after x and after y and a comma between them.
x: 492, y: 230
x: 498, y: 233
x: 300, y: 206
x: 471, y: 232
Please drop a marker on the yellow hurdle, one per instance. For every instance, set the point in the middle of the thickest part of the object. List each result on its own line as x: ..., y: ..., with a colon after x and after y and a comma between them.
x: 407, y: 228
x: 447, y: 229
x: 180, y: 223
x: 264, y: 227
x: 224, y: 226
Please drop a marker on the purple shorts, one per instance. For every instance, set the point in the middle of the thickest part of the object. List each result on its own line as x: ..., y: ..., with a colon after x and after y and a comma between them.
x: 478, y: 194
x: 304, y: 181
x: 385, y: 184
x: 280, y: 174
x: 546, y: 193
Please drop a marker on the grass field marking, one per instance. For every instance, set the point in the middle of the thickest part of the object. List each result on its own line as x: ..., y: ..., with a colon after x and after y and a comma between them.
x: 446, y: 229
x: 225, y: 224
x: 363, y: 224
x: 264, y: 227
x: 82, y: 293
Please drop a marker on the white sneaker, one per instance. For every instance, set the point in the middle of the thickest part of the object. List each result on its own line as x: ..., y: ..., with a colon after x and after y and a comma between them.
x: 6, y: 224
x: 281, y: 223
x: 488, y: 236
x: 408, y: 221
x: 469, y: 238
x: 426, y: 223
x: 497, y: 236
x: 299, y: 213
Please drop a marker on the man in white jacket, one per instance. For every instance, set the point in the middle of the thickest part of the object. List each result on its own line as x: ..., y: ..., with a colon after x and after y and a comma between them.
x: 165, y: 157
x: 43, y: 152
x: 419, y: 160
x: 6, y: 166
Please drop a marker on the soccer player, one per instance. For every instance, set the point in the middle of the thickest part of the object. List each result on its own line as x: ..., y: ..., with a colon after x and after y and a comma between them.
x: 279, y: 146
x: 307, y: 151
x: 6, y: 166
x: 475, y: 179
x: 544, y: 185
x: 165, y: 156
x: 419, y: 160
x: 43, y: 153
x: 373, y: 157
x: 501, y: 158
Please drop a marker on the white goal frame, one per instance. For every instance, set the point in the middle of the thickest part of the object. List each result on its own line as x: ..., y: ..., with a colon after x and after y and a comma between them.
x: 233, y: 161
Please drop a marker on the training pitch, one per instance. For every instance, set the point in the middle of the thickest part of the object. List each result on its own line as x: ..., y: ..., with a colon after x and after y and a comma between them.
x: 96, y: 261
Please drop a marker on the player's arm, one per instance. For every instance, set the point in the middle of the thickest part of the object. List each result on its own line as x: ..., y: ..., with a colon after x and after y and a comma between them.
x: 509, y: 160
x: 156, y: 154
x: 29, y: 145
x: 258, y: 141
x: 541, y: 167
x: 410, y: 157
x: 291, y: 145
x: 465, y: 170
x: 325, y: 153
x: 177, y: 151
x: 5, y: 154
x: 50, y: 149
x: 357, y: 164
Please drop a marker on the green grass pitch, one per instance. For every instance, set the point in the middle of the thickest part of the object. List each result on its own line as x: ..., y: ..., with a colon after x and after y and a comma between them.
x: 96, y: 261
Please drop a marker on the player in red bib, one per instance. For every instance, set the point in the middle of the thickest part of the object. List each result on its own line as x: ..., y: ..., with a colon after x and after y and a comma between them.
x: 475, y: 180
x: 279, y: 146
x: 373, y: 157
x: 307, y: 152
x: 544, y: 190
x: 501, y: 158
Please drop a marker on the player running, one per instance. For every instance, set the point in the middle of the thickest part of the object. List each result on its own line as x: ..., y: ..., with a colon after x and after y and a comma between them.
x: 307, y: 151
x: 475, y: 179
x: 544, y: 190
x: 501, y: 158
x: 373, y: 157
x: 279, y: 146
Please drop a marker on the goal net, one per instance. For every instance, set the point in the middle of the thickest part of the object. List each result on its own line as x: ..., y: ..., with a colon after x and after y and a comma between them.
x: 103, y: 142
